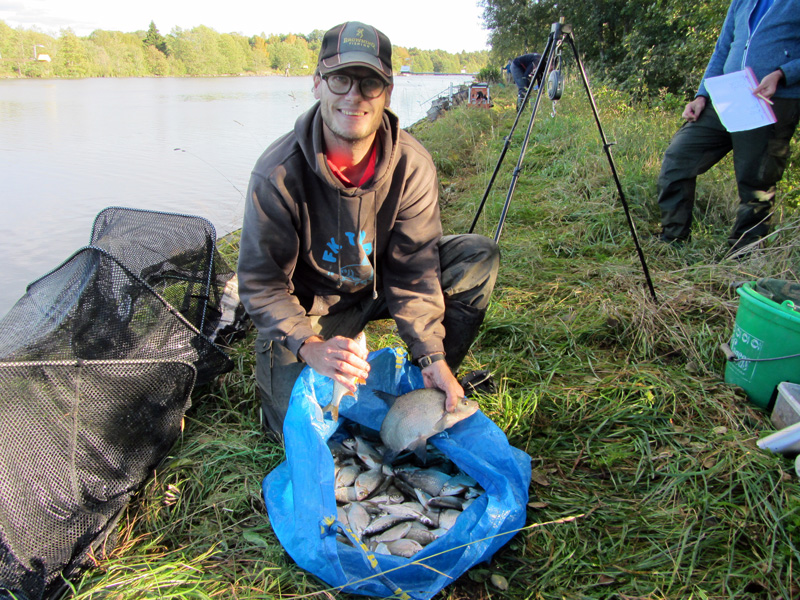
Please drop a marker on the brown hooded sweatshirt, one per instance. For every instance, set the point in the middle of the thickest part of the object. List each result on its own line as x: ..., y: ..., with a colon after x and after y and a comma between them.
x: 311, y: 246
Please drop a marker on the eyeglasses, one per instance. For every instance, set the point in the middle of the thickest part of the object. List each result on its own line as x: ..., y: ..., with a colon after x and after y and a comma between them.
x: 369, y: 87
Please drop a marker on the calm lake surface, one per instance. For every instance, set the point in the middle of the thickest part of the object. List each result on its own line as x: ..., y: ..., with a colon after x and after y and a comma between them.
x: 70, y: 148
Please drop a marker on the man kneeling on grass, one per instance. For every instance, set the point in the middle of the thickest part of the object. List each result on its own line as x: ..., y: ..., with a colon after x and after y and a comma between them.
x: 342, y: 227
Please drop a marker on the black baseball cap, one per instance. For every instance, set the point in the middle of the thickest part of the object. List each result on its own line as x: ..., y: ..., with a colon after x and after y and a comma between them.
x: 356, y: 44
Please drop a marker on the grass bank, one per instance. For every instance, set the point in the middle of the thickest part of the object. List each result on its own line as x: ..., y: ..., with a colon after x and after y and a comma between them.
x: 619, y: 400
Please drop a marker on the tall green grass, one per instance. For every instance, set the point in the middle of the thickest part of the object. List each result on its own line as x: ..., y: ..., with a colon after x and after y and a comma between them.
x: 619, y: 400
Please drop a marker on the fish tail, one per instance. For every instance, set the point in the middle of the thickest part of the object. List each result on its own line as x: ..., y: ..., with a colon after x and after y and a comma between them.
x: 421, y: 450
x: 334, y: 410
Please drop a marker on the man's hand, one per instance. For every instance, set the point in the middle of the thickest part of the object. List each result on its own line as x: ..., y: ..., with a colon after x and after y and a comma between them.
x: 339, y: 358
x: 692, y: 111
x: 769, y: 85
x: 438, y: 375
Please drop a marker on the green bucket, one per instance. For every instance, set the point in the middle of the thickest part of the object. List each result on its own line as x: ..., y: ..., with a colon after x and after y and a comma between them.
x: 765, y: 347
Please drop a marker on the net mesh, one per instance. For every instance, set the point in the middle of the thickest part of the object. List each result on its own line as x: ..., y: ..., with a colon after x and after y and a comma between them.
x: 96, y: 373
x: 175, y: 254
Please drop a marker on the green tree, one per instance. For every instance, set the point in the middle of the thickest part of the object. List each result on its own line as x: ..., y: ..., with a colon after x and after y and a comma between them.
x: 198, y: 50
x: 234, y: 53
x: 314, y: 40
x: 155, y: 39
x: 73, y: 58
x: 291, y: 52
x: 115, y: 54
x: 400, y: 57
x: 420, y: 60
x: 11, y: 45
x: 473, y: 62
x: 444, y: 62
x: 643, y: 48
x: 157, y: 62
x: 260, y: 53
x: 517, y: 27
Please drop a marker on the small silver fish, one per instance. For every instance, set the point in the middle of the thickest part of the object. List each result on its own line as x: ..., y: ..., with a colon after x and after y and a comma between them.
x: 340, y: 391
x: 367, y: 454
x: 346, y: 475
x: 345, y: 494
x: 419, y: 533
x: 381, y: 524
x: 412, y: 509
x: 423, y: 497
x: 340, y: 451
x: 447, y: 518
x: 358, y: 518
x: 416, y: 416
x: 393, y: 534
x: 404, y: 547
x: 446, y: 502
x: 473, y: 492
x: 457, y: 484
x: 430, y: 481
x: 395, y: 495
x: 381, y: 549
x: 367, y: 482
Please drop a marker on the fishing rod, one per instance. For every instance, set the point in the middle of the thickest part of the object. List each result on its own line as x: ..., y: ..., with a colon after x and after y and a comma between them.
x: 551, y: 61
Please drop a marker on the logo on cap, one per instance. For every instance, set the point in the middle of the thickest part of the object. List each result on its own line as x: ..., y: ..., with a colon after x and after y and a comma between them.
x: 358, y: 41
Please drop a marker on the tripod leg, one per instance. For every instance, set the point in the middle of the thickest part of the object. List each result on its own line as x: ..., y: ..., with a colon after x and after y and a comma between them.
x: 607, y: 149
x: 547, y: 59
x: 548, y: 48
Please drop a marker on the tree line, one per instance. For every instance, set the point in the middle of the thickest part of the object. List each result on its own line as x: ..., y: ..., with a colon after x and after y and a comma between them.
x: 197, y: 51
x: 644, y: 48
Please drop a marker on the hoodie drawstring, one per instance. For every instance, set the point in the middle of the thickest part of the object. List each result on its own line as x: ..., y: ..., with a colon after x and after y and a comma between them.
x: 339, y: 237
x: 375, y: 247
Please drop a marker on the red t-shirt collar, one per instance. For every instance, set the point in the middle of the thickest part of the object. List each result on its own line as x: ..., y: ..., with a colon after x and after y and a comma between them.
x: 369, y: 172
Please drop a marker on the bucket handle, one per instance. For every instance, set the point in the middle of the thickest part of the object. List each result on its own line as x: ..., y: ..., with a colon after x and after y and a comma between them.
x: 731, y: 357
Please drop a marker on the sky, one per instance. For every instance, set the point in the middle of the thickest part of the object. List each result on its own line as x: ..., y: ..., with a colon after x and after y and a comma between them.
x: 451, y: 25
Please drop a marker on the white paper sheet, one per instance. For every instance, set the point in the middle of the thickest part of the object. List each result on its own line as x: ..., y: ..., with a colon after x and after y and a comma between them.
x: 738, y: 108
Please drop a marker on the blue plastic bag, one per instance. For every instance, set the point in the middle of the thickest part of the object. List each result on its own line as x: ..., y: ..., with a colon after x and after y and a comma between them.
x: 300, y: 500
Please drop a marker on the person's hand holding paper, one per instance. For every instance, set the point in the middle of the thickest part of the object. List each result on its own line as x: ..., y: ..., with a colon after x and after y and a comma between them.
x: 734, y: 98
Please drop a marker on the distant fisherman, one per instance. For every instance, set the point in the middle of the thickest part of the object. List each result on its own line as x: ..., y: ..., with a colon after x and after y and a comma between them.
x: 522, y: 68
x: 342, y: 227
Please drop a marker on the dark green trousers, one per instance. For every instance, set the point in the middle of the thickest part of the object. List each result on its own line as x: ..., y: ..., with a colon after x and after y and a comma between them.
x: 469, y: 265
x: 759, y: 159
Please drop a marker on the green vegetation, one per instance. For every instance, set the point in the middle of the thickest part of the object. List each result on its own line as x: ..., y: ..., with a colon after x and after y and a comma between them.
x: 197, y: 51
x: 618, y: 400
x: 643, y: 48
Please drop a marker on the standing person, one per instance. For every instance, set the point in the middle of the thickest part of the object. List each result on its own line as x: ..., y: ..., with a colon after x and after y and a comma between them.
x: 765, y: 36
x: 507, y: 72
x: 522, y: 68
x: 342, y: 227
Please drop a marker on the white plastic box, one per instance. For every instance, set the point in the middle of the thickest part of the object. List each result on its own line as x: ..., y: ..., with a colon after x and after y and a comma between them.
x: 786, y: 411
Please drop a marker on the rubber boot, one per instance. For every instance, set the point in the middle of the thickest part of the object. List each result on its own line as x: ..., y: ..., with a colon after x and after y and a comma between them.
x: 461, y: 325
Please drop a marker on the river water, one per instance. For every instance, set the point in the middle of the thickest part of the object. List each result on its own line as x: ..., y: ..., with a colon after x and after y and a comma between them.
x: 70, y: 148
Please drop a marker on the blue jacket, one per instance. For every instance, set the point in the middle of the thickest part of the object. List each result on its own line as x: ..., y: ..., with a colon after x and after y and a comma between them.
x: 773, y: 44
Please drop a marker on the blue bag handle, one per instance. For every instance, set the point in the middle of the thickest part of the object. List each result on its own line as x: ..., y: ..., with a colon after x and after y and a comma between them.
x: 329, y: 525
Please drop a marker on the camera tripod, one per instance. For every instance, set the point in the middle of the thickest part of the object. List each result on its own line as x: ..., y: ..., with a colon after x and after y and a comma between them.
x: 550, y: 62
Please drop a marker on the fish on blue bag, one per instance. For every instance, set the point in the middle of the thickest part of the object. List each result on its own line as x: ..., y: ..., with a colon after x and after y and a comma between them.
x: 301, y: 493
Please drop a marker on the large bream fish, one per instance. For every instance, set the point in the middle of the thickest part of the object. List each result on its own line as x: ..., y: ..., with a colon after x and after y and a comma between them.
x: 340, y: 391
x: 416, y: 416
